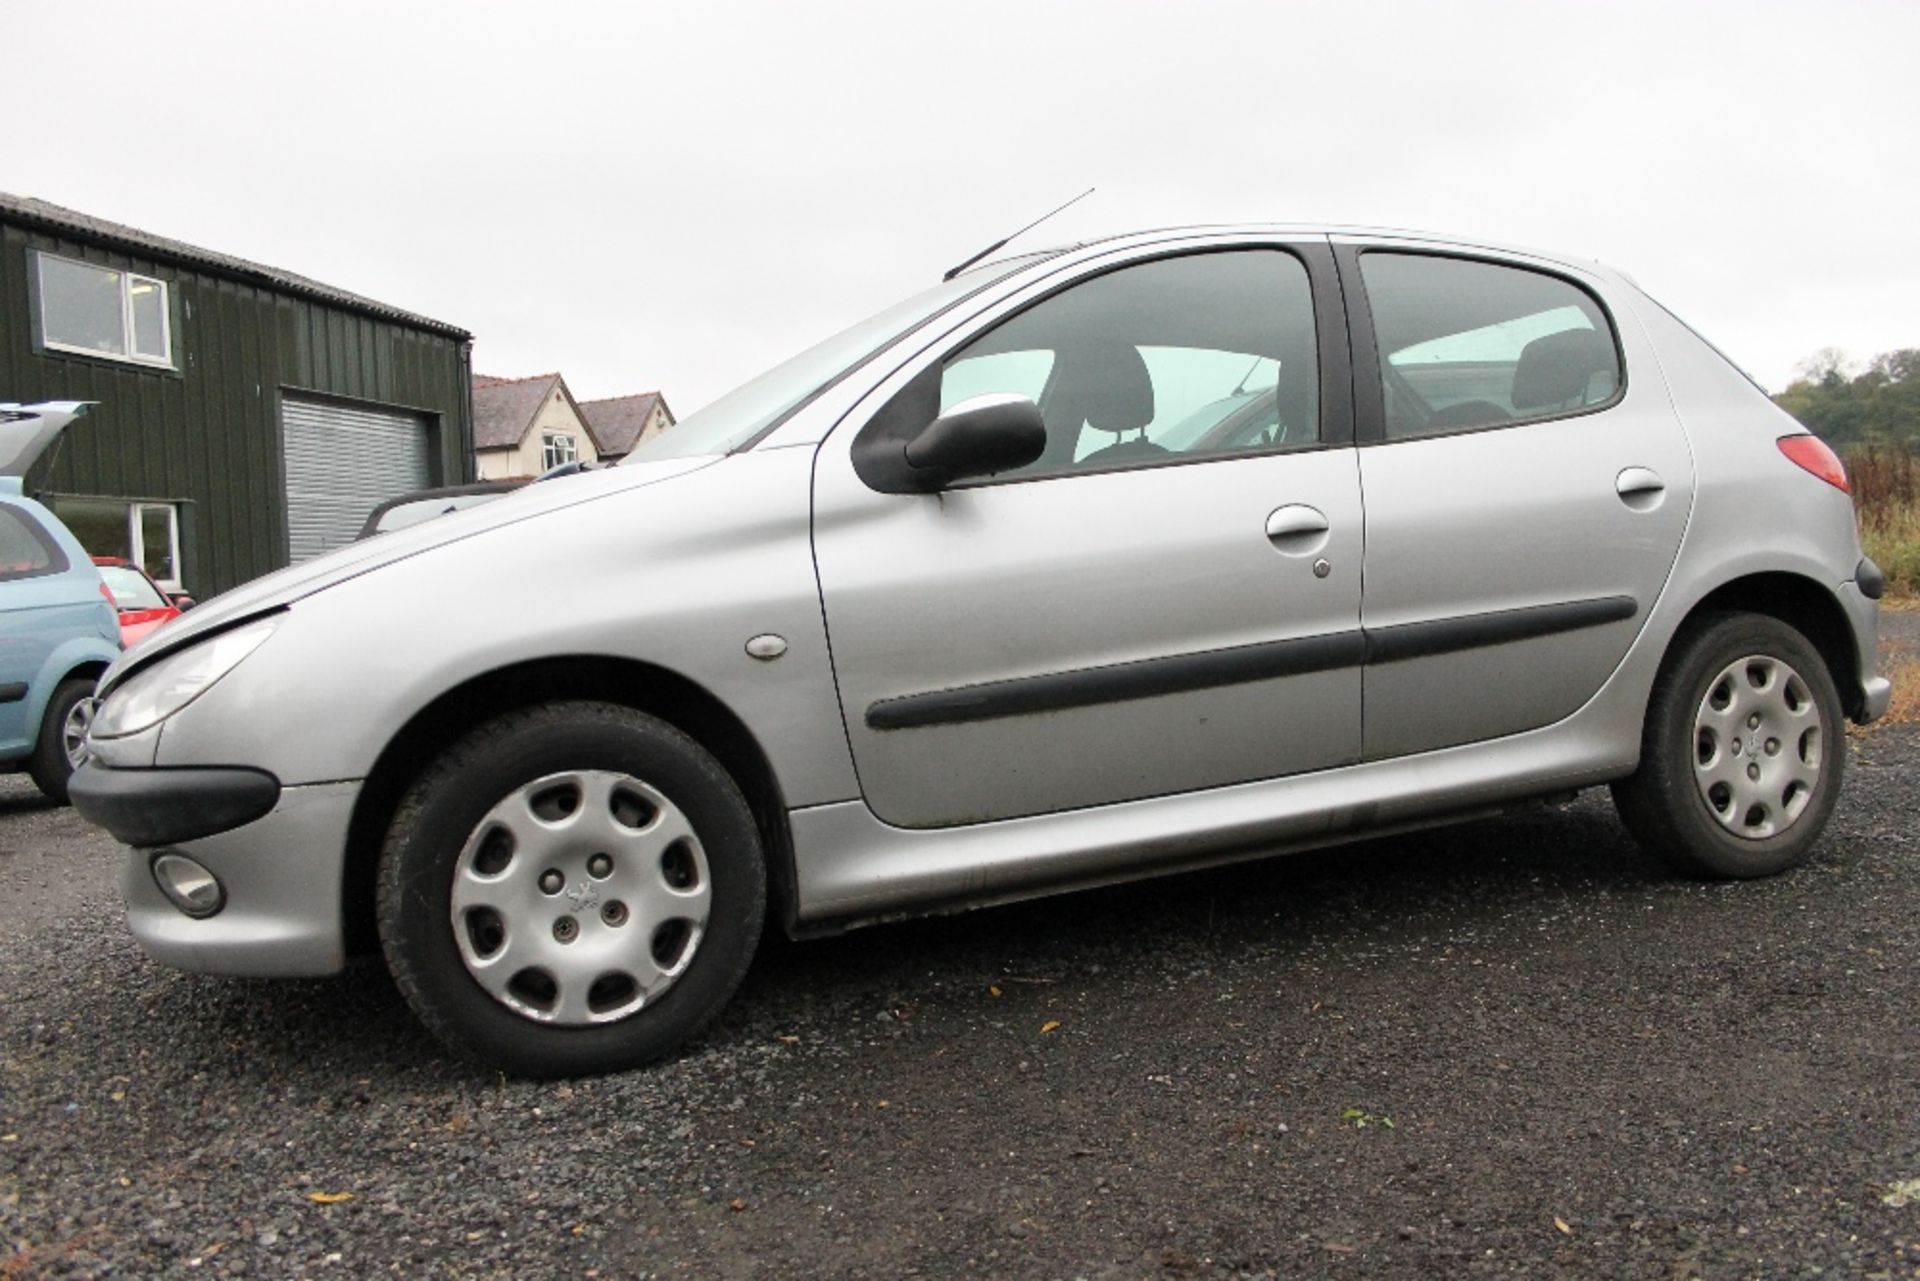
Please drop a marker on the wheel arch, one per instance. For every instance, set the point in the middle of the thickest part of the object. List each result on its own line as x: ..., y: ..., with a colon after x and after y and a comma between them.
x: 646, y: 687
x: 1803, y: 604
x: 91, y: 669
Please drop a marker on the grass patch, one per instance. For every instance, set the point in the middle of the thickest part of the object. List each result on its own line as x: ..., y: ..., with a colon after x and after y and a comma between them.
x: 1893, y: 540
x: 1886, y: 496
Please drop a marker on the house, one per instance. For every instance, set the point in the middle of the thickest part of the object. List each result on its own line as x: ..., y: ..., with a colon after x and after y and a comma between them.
x: 622, y: 422
x: 245, y: 418
x: 524, y: 426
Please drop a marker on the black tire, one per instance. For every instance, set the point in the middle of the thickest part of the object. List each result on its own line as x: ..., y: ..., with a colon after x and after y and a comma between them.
x: 49, y: 765
x: 444, y: 808
x: 1664, y: 806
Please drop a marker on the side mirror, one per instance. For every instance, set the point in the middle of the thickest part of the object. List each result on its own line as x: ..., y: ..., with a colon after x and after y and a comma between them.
x: 183, y: 602
x: 977, y: 437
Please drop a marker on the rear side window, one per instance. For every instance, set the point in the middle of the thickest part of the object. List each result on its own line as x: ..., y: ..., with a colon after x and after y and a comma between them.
x: 1467, y: 344
x: 25, y: 548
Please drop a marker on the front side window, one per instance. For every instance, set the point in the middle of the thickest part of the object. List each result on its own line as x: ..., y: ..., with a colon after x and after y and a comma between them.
x: 1204, y: 354
x: 1466, y: 344
x: 556, y: 448
x: 102, y: 311
x: 25, y: 548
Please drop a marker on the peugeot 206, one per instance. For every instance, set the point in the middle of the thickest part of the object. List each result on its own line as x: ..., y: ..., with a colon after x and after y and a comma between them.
x: 1146, y: 554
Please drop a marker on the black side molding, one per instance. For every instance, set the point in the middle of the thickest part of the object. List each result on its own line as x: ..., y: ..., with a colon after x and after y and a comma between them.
x: 13, y: 691
x: 1474, y: 631
x: 1174, y: 674
x: 1241, y: 665
x: 148, y: 807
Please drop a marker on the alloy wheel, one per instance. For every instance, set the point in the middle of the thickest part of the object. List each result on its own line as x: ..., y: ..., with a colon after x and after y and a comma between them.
x: 73, y: 732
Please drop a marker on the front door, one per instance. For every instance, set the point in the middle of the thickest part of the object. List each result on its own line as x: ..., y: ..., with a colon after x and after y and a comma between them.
x: 1167, y: 600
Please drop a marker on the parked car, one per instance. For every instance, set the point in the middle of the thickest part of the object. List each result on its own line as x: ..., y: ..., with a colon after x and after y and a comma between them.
x: 427, y: 504
x: 943, y: 612
x: 57, y: 628
x: 141, y: 603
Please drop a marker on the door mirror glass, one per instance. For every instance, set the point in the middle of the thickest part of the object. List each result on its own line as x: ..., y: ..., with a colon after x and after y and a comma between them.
x: 979, y: 436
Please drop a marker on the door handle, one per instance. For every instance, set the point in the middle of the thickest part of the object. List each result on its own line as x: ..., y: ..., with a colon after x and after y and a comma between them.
x: 1640, y: 488
x: 1297, y: 529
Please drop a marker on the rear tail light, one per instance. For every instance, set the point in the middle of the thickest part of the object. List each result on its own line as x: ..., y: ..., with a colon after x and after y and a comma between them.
x: 109, y: 595
x: 1811, y: 454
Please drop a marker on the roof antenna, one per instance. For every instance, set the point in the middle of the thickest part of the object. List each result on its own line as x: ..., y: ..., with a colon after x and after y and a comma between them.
x: 1023, y: 231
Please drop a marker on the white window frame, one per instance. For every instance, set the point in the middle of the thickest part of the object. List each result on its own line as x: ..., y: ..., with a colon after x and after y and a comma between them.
x: 550, y: 442
x: 127, y: 280
x: 138, y: 544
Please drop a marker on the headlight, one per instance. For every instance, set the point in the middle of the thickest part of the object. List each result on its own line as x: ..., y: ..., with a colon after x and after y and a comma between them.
x: 176, y: 680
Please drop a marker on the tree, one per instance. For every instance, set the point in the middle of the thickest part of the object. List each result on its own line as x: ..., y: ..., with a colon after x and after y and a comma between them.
x: 1880, y: 405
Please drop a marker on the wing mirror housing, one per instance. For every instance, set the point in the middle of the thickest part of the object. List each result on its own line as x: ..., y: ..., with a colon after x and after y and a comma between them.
x: 980, y: 436
x: 182, y: 602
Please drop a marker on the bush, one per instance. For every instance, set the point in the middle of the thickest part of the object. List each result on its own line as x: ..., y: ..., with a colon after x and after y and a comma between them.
x: 1887, y: 497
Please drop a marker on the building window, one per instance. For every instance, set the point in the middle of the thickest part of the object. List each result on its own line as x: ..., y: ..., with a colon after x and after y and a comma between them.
x: 146, y: 533
x: 102, y: 311
x: 556, y: 447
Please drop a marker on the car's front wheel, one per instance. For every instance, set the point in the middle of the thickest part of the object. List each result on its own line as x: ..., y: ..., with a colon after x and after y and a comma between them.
x: 1743, y: 752
x: 62, y: 745
x: 571, y: 889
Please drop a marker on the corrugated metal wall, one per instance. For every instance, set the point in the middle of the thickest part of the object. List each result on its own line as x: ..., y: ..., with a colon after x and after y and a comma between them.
x: 209, y: 434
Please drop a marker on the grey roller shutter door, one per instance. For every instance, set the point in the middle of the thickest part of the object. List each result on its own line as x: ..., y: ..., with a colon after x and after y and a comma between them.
x: 342, y: 462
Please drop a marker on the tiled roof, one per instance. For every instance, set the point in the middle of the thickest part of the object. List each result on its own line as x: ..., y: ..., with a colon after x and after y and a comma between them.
x: 503, y: 408
x: 56, y: 218
x: 618, y: 421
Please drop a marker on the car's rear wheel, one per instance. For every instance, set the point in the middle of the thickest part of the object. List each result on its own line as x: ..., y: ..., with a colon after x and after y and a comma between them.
x: 571, y: 889
x: 1743, y: 753
x: 62, y: 745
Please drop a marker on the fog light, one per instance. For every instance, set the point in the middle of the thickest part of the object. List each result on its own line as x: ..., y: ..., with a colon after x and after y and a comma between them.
x: 187, y: 885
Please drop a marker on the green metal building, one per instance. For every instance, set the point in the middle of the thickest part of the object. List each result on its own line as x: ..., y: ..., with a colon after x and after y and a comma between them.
x: 247, y: 417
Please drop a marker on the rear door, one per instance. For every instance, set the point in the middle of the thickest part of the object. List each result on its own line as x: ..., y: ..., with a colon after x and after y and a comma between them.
x: 1139, y: 613
x: 41, y: 606
x: 1527, y: 484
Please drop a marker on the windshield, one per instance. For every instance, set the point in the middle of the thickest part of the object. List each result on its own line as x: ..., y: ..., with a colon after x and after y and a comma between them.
x: 130, y: 588
x: 739, y: 418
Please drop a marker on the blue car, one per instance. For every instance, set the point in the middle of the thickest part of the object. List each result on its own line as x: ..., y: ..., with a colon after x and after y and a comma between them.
x: 58, y: 629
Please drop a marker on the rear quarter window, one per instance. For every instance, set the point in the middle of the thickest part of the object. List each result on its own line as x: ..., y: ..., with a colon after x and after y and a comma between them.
x: 26, y: 549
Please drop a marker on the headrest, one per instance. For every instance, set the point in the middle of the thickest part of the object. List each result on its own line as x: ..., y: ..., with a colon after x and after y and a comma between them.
x: 1109, y: 386
x: 1556, y: 369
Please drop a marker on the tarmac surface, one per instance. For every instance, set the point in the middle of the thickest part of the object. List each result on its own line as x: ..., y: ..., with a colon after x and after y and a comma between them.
x: 1515, y: 1047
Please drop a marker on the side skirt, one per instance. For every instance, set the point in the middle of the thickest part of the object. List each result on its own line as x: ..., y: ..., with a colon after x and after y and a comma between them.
x: 852, y: 869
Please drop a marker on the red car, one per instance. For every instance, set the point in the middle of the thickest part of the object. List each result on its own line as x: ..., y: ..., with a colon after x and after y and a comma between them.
x: 142, y: 605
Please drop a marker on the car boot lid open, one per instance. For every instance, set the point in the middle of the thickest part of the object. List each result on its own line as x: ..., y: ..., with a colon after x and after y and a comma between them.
x: 27, y: 430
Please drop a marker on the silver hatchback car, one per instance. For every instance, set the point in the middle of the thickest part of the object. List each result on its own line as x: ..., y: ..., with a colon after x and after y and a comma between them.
x: 1147, y: 554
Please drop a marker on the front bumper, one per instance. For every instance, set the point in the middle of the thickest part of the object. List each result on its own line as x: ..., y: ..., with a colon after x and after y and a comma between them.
x: 282, y: 874
x: 151, y: 807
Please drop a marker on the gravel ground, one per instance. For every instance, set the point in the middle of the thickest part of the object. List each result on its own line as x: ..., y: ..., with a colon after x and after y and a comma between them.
x: 1509, y: 1048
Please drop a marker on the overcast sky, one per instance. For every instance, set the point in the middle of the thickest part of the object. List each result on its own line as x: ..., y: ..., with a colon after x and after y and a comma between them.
x: 675, y: 196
